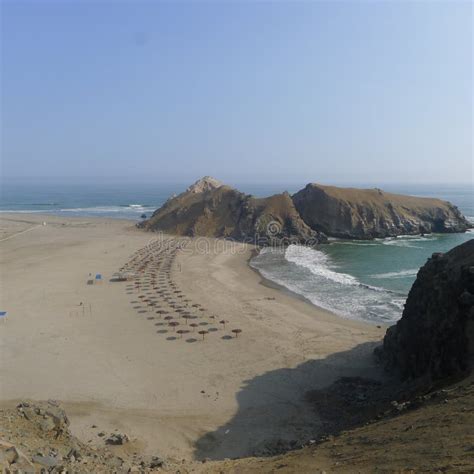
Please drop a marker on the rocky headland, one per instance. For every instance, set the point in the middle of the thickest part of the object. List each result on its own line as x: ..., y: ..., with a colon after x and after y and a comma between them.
x: 40, y: 441
x: 211, y: 209
x: 434, y: 339
x: 372, y: 213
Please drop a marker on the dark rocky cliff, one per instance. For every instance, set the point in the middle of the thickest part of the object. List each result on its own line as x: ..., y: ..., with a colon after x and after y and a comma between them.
x: 209, y: 208
x: 434, y: 339
x: 371, y: 213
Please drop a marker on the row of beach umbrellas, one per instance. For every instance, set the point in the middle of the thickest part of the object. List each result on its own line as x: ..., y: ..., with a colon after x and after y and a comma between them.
x: 159, y: 294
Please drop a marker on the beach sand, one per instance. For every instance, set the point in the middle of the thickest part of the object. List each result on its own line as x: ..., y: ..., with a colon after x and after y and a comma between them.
x: 112, y: 367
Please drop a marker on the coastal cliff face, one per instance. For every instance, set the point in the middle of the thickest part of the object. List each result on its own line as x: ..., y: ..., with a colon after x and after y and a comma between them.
x: 372, y: 213
x: 434, y: 339
x: 209, y: 208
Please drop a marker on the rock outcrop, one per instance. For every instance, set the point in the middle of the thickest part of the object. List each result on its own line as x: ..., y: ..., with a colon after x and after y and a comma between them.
x: 35, y: 438
x: 208, y: 183
x: 372, y: 213
x: 49, y: 416
x: 209, y: 208
x: 434, y: 339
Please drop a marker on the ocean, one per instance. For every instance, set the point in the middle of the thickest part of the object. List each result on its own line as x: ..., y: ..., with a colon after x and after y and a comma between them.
x: 365, y: 280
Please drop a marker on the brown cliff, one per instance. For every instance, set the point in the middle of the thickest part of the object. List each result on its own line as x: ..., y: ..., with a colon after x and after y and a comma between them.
x: 372, y: 213
x: 209, y: 208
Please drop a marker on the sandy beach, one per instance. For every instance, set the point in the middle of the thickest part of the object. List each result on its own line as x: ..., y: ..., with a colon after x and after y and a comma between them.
x: 116, y: 364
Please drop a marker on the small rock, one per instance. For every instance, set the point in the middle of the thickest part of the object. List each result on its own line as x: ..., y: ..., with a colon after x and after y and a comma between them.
x: 152, y: 462
x: 74, y: 455
x: 8, y: 455
x: 46, y: 461
x: 117, y: 439
x: 115, y: 462
x: 47, y: 424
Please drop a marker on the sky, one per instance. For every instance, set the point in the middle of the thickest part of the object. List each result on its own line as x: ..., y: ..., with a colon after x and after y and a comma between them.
x: 244, y: 91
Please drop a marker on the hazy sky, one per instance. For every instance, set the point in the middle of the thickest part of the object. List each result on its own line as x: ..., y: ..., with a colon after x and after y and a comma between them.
x: 244, y: 91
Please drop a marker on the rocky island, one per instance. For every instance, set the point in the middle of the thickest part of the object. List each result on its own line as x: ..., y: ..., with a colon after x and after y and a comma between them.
x: 354, y: 213
x: 211, y: 209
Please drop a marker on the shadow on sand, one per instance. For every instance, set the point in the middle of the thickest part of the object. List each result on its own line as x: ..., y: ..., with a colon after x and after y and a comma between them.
x: 277, y: 410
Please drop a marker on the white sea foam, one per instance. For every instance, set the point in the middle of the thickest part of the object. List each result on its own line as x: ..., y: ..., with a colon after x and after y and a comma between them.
x: 285, y: 283
x: 98, y: 209
x: 399, y: 303
x: 400, y: 274
x: 357, y: 243
x: 317, y: 263
x: 326, y: 287
x: 105, y: 209
x: 401, y: 243
x: 23, y: 211
x: 130, y: 210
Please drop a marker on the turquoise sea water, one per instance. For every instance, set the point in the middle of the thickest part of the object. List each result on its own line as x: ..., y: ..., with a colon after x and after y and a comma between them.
x: 366, y: 280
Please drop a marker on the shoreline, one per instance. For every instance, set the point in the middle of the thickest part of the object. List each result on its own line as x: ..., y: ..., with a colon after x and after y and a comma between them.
x: 268, y: 283
x: 282, y: 288
x: 119, y: 368
x: 263, y: 280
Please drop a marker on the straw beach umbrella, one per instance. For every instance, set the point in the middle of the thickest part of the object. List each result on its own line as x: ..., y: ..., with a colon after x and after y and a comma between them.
x: 223, y: 322
x: 173, y: 324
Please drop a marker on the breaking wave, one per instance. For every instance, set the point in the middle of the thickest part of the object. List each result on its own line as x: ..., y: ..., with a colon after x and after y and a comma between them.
x: 317, y: 263
x: 130, y: 211
x: 401, y: 274
x: 312, y: 273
